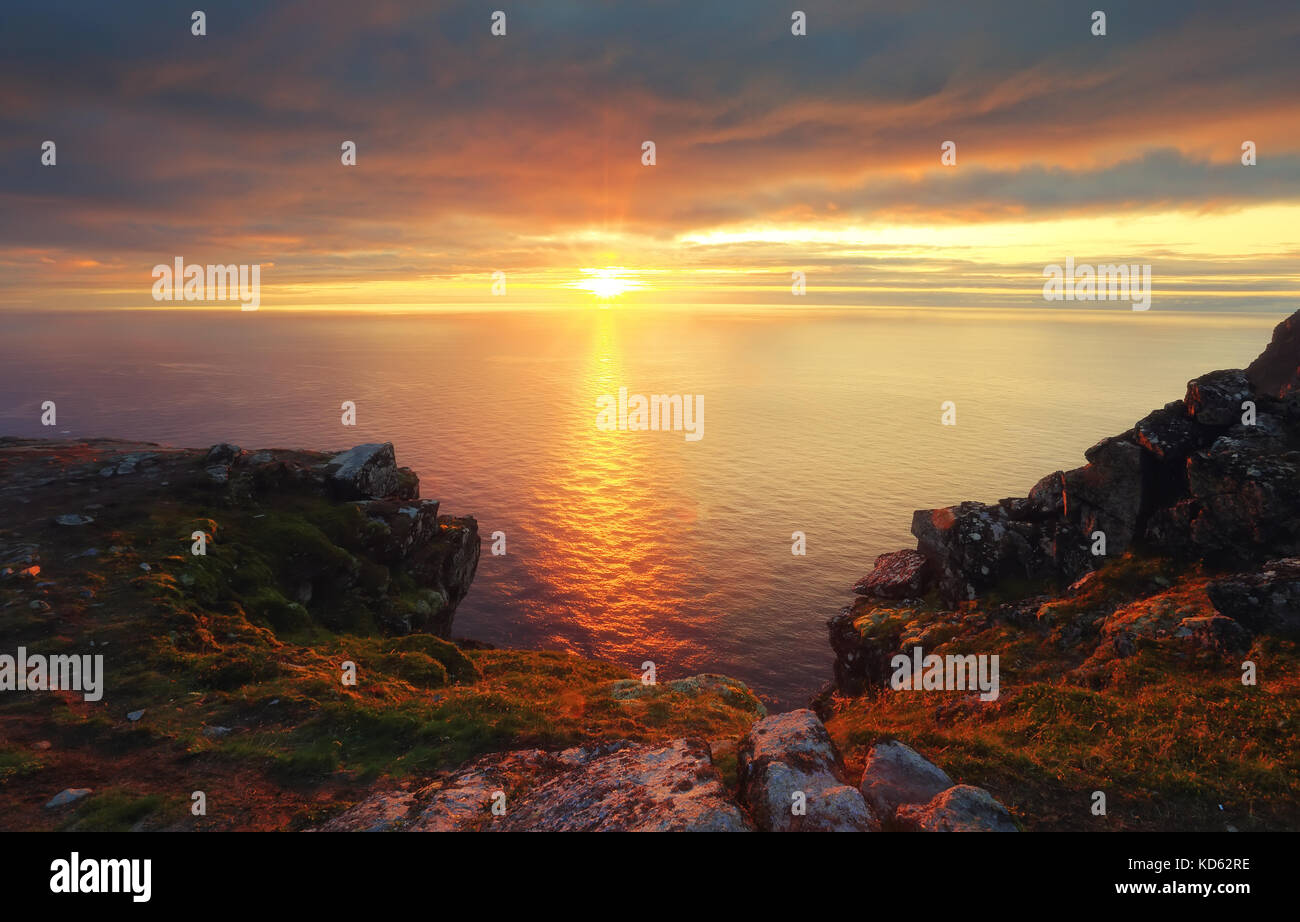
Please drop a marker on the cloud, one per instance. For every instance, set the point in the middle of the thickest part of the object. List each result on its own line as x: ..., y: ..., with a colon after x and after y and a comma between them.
x: 474, y: 148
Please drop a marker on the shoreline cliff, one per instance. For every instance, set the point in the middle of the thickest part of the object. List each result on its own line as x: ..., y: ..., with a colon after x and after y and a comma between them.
x: 1144, y: 610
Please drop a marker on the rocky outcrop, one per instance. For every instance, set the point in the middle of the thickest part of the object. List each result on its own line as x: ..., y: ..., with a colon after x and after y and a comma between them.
x: 371, y: 471
x: 900, y: 575
x: 1277, y: 370
x: 792, y: 779
x: 1266, y: 601
x: 317, y: 559
x: 1214, y: 477
x: 614, y: 787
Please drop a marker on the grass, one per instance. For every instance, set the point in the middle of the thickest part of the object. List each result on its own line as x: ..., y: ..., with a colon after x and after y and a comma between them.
x: 1172, y: 737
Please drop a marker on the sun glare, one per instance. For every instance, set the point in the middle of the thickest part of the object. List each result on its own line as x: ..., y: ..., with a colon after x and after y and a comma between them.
x: 607, y: 283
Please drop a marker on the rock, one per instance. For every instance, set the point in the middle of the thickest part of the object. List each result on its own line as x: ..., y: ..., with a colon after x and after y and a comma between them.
x: 962, y: 808
x: 39, y: 605
x: 1267, y: 601
x: 1047, y: 497
x: 367, y: 471
x: 618, y: 786
x: 788, y: 754
x: 381, y: 812
x: 218, y: 473
x: 1107, y: 494
x: 673, y: 787
x: 897, y: 774
x: 1277, y: 370
x: 135, y: 715
x: 1170, y: 433
x: 67, y: 796
x: 448, y: 565
x: 1245, y: 504
x: 215, y: 732
x: 404, y: 527
x: 1215, y: 399
x: 900, y: 575
x: 42, y: 746
x: 974, y: 546
x: 865, y: 637
x: 1214, y: 632
x: 224, y: 453
x: 73, y: 519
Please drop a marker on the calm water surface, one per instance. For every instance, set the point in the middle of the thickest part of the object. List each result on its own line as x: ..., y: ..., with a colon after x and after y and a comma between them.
x: 644, y: 546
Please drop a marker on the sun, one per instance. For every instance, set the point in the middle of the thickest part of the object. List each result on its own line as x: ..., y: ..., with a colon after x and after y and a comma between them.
x: 607, y: 283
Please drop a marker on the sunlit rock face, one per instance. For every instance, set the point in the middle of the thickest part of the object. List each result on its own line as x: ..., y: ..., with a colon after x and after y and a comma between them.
x: 614, y: 787
x: 792, y: 779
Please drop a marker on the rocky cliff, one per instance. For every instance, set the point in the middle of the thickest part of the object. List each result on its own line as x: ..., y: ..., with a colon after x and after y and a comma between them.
x: 1146, y: 602
x: 329, y: 538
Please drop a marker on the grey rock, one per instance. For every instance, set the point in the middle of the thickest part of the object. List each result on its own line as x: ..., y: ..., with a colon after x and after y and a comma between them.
x: 67, y: 796
x: 962, y: 808
x: 1215, y: 399
x: 73, y: 519
x: 789, y: 754
x: 896, y: 774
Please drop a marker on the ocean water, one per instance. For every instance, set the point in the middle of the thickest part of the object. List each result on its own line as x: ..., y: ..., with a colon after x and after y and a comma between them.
x: 636, y: 546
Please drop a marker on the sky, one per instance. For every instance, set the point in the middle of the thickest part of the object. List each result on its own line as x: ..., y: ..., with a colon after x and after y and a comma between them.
x: 774, y: 153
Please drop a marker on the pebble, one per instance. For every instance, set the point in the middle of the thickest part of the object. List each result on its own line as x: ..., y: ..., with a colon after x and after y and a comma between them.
x: 73, y: 519
x: 66, y: 796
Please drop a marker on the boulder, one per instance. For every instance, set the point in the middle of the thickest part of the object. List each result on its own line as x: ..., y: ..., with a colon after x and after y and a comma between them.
x: 1277, y: 370
x: 1214, y: 633
x: 224, y: 453
x: 1246, y: 501
x: 66, y: 796
x: 1107, y: 494
x: 975, y: 546
x: 1215, y: 399
x: 1266, y: 601
x: 1170, y: 433
x: 901, y: 575
x: 791, y: 754
x: 896, y: 774
x: 962, y: 808
x: 370, y: 471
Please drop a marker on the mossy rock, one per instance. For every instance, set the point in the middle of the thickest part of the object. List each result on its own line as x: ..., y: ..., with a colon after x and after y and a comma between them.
x: 458, y: 666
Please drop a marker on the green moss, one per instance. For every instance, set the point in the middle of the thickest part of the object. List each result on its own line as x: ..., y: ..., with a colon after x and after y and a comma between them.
x: 113, y: 811
x: 14, y: 763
